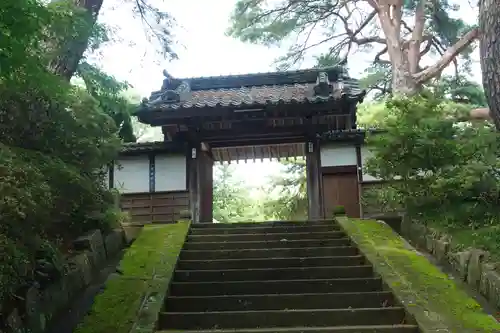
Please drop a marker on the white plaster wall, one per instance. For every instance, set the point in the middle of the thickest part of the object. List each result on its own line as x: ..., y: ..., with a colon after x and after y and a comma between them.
x: 170, y: 173
x: 338, y: 155
x: 131, y: 174
x: 365, y: 155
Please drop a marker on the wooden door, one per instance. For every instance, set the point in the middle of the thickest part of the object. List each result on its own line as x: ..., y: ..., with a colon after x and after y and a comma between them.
x: 341, y: 189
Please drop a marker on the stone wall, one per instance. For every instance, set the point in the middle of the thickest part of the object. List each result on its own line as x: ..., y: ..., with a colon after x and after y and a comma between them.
x: 473, y: 266
x: 41, y: 304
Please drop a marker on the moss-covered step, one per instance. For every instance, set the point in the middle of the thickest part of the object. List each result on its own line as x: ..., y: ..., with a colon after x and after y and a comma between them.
x: 428, y: 294
x: 262, y: 244
x: 339, y: 258
x: 345, y: 249
x: 132, y: 300
x: 336, y: 329
x: 265, y: 228
x: 344, y: 300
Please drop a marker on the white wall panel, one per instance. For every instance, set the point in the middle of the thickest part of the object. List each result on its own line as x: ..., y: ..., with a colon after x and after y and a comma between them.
x: 131, y: 174
x: 170, y: 173
x: 338, y: 155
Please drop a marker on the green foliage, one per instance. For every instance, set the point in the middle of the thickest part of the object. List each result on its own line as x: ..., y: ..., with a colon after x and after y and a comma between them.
x: 55, y: 140
x: 109, y: 93
x: 232, y: 201
x: 439, y: 170
x: 287, y: 193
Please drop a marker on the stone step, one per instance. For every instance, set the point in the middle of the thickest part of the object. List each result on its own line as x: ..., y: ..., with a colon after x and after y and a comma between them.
x: 266, y: 236
x: 288, y: 318
x: 289, y: 273
x: 273, y: 263
x: 336, y: 329
x: 266, y: 229
x: 279, y: 302
x: 259, y: 224
x: 275, y: 287
x: 292, y: 253
x: 266, y: 244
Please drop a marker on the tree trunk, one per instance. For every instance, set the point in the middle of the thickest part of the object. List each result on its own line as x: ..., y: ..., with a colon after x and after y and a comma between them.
x: 489, y: 12
x: 69, y: 52
x: 402, y: 81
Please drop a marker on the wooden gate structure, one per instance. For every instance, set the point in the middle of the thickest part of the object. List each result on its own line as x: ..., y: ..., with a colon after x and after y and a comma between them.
x: 309, y: 113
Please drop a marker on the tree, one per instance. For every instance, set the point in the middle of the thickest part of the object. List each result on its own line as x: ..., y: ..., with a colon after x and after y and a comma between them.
x: 287, y: 193
x: 77, y: 19
x: 231, y: 200
x: 380, y: 25
x: 436, y: 169
x: 109, y: 93
x: 489, y: 11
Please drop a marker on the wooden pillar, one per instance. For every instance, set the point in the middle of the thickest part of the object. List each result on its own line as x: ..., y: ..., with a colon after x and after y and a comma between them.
x: 205, y: 186
x: 313, y: 172
x: 194, y: 205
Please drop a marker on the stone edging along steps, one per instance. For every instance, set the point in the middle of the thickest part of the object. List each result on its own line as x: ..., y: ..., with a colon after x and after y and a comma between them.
x: 277, y: 277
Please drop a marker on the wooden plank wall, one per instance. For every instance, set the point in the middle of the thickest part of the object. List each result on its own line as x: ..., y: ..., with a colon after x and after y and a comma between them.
x: 156, y: 207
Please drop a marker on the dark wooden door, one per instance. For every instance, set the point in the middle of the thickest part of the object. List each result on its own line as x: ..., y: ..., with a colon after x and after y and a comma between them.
x: 341, y: 190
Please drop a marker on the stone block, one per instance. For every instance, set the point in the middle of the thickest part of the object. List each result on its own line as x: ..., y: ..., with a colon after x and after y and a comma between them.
x: 483, y: 282
x: 55, y: 298
x: 441, y: 248
x: 82, y: 263
x: 430, y: 242
x: 406, y: 224
x: 94, y: 243
x: 476, y: 261
x: 73, y: 282
x: 493, y: 281
x: 131, y: 232
x: 114, y: 242
x: 460, y: 263
x: 418, y: 234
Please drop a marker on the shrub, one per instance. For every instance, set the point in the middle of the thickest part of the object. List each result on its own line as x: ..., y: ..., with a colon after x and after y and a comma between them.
x: 339, y: 210
x: 437, y: 168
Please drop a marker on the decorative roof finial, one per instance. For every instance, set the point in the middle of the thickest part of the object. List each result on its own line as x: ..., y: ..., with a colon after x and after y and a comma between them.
x: 323, y: 87
x: 172, y: 90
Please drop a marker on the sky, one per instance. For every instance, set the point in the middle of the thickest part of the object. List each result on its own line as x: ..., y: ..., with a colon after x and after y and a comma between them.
x: 205, y: 51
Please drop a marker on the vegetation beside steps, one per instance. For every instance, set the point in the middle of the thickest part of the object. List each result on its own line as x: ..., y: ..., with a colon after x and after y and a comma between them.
x: 434, y: 300
x: 133, y: 298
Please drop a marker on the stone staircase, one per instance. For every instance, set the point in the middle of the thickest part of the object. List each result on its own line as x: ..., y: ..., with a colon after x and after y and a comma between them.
x: 277, y: 277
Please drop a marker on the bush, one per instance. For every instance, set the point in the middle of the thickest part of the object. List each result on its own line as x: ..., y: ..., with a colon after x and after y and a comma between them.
x: 437, y: 168
x: 339, y: 210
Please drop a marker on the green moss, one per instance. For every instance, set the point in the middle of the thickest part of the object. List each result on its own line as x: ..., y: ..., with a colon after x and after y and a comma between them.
x: 154, y: 251
x: 434, y: 299
x: 147, y: 268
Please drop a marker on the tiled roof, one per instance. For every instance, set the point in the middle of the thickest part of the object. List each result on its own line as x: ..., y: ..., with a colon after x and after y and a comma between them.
x: 140, y: 147
x: 254, y: 90
x: 250, y: 97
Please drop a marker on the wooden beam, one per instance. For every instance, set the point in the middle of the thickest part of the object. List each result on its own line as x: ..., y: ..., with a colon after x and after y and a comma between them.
x: 313, y: 167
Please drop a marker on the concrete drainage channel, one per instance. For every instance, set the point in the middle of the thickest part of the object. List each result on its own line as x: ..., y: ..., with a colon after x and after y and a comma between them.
x: 277, y: 277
